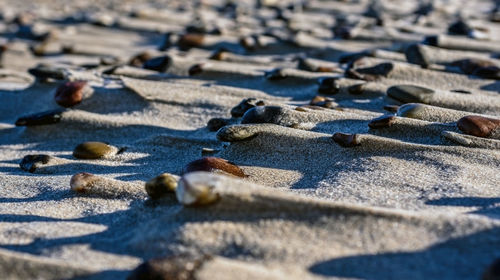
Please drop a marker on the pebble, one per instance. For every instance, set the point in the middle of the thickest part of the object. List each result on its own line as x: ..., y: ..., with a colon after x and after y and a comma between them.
x: 357, y: 89
x: 160, y: 63
x: 415, y: 54
x: 381, y: 122
x: 275, y: 74
x: 139, y: 59
x: 262, y: 114
x: 391, y: 108
x: 471, y: 65
x: 43, y: 118
x: 346, y: 140
x: 492, y: 272
x: 410, y: 110
x: 169, y: 268
x: 245, y: 105
x: 94, y: 150
x: 234, y: 133
x: 214, y: 164
x: 190, y: 40
x: 82, y: 182
x: 370, y: 73
x: 70, y: 93
x: 219, y: 54
x: 44, y: 72
x: 216, y: 123
x: 31, y: 162
x: 459, y: 27
x: 410, y: 94
x: 161, y: 186
x: 196, y: 69
x: 328, y: 86
x: 322, y: 101
x: 479, y: 126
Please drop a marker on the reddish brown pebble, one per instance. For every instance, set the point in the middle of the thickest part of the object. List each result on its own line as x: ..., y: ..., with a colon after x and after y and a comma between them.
x: 70, y: 93
x: 166, y: 268
x: 345, y: 140
x: 213, y: 164
x: 478, y: 126
x: 381, y: 122
x: 195, y: 69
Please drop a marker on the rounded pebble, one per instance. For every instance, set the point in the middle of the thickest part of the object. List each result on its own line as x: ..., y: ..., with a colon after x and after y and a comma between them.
x: 410, y: 94
x: 410, y: 110
x: 245, y: 105
x: 328, y: 86
x: 93, y: 150
x: 31, y: 162
x: 167, y: 268
x: 70, y: 93
x: 346, y: 140
x: 214, y: 164
x: 381, y: 122
x: 161, y: 185
x: 478, y: 126
x: 262, y: 114
x: 43, y: 118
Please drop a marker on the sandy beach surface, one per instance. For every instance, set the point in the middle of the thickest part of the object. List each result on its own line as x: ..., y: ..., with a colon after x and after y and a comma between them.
x: 297, y: 139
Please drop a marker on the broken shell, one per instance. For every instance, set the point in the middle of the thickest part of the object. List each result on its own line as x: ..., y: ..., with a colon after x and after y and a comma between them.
x: 31, y: 162
x: 174, y: 267
x: 328, y: 86
x: 193, y: 192
x: 70, y: 93
x: 161, y: 185
x: 381, y: 122
x: 346, y: 140
x: 94, y: 150
x: 245, y: 105
x: 410, y: 94
x: 214, y: 164
x: 478, y: 126
x: 43, y: 118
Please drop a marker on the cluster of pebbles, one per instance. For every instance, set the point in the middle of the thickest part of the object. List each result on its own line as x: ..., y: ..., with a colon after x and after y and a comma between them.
x: 290, y: 113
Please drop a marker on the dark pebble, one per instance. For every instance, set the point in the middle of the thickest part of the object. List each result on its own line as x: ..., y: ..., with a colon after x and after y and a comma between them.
x: 195, y: 69
x: 370, y: 73
x: 381, y: 122
x: 245, y: 105
x: 262, y: 114
x: 391, y: 108
x: 190, y: 40
x: 161, y: 186
x: 93, y: 150
x: 47, y: 72
x: 43, y: 118
x: 168, y: 268
x: 410, y: 94
x: 139, y: 59
x: 415, y: 55
x: 276, y: 74
x: 356, y: 89
x: 70, y: 93
x: 31, y: 162
x: 160, y: 63
x: 216, y: 123
x: 345, y: 140
x: 493, y: 271
x: 213, y: 164
x: 459, y: 27
x: 328, y: 86
x: 478, y: 126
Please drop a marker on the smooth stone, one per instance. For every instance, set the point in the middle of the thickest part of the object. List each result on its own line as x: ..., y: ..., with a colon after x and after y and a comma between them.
x: 219, y: 54
x: 93, y: 150
x: 478, y: 126
x: 161, y: 185
x: 328, y: 86
x: 415, y: 54
x: 459, y: 27
x: 31, y: 162
x: 410, y: 110
x: 81, y: 181
x: 321, y: 101
x: 160, y: 63
x: 410, y: 94
x: 48, y: 72
x: 470, y: 66
x: 234, y: 133
x: 216, y: 123
x: 262, y: 114
x: 190, y: 40
x: 245, y: 105
x: 196, y: 69
x: 70, y: 93
x: 381, y: 122
x: 382, y: 69
x: 166, y: 268
x: 139, y: 59
x: 346, y: 140
x: 391, y: 108
x: 356, y: 89
x: 43, y: 118
x: 214, y: 164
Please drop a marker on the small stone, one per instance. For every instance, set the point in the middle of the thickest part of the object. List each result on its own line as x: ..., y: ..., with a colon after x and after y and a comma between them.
x: 219, y: 54
x: 161, y: 185
x: 214, y: 164
x: 235, y: 133
x: 490, y: 72
x: 139, y: 59
x: 160, y: 63
x: 195, y: 190
x: 275, y: 75
x: 70, y: 93
x: 216, y: 123
x: 391, y: 108
x: 328, y: 86
x: 432, y: 40
x: 94, y: 150
x: 493, y: 271
x: 245, y: 105
x: 31, y: 162
x: 43, y: 118
x: 370, y: 73
x: 262, y: 114
x: 82, y: 181
x: 472, y: 65
x: 410, y: 94
x: 169, y: 268
x: 381, y: 122
x: 346, y: 140
x: 196, y: 69
x: 410, y: 110
x: 478, y: 126
x: 459, y: 27
x: 322, y: 101
x: 415, y: 54
x: 190, y: 40
x: 356, y: 89
x: 349, y: 58
x: 48, y: 72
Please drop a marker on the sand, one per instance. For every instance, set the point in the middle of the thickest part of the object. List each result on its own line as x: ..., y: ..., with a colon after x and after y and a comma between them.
x: 416, y: 199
